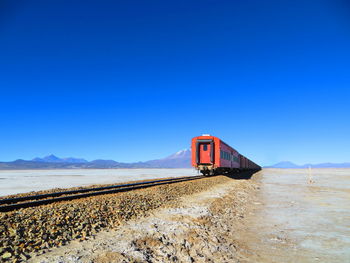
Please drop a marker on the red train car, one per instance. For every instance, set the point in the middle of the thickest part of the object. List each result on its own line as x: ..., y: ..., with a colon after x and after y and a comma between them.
x: 210, y: 155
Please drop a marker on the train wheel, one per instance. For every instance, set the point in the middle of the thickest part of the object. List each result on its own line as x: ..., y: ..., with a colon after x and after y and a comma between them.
x: 205, y: 172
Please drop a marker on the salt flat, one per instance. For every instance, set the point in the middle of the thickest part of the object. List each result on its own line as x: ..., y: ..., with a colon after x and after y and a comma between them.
x: 22, y: 181
x: 302, y: 216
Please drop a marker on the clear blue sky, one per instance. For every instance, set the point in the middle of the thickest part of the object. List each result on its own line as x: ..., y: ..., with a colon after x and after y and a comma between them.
x: 136, y: 80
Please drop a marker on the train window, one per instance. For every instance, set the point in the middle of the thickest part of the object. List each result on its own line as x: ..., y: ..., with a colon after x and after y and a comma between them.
x: 205, y: 147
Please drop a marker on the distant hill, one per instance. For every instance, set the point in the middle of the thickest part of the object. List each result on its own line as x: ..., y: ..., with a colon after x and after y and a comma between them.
x: 284, y: 164
x: 290, y: 165
x: 54, y: 159
x: 181, y: 159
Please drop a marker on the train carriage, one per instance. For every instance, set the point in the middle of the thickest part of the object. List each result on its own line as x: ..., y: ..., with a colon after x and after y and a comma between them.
x: 210, y: 155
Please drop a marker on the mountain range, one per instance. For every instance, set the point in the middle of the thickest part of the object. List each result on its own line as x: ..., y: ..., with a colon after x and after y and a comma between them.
x: 181, y: 159
x: 290, y: 165
x: 54, y: 159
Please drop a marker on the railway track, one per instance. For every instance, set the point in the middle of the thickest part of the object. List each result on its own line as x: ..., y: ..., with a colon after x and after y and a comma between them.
x: 11, y: 204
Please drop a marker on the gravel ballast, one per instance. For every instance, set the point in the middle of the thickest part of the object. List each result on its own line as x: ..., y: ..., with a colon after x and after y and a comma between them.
x: 32, y: 231
x: 201, y: 227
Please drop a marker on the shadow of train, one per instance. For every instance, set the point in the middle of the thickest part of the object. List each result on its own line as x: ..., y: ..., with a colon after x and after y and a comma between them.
x: 245, y: 175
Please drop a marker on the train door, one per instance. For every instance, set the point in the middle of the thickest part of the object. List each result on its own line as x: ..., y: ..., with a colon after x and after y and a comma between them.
x: 205, y: 152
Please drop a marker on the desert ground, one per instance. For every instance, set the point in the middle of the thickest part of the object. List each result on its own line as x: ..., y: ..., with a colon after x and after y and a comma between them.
x: 23, y: 181
x: 278, y: 215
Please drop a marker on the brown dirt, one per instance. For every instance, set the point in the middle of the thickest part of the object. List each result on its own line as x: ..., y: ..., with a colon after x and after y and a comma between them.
x: 32, y: 231
x: 200, y: 227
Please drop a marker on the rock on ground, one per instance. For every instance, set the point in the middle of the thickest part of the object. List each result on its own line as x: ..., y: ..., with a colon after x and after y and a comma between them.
x: 195, y: 228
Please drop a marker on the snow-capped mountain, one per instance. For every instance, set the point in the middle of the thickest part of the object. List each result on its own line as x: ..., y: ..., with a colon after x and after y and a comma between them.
x: 180, y: 159
x: 186, y: 153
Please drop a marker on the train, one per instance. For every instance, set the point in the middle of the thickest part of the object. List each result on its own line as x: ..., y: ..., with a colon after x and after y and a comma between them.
x: 212, y: 156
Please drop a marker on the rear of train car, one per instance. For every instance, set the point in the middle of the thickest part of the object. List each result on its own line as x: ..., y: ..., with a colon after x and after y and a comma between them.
x: 210, y: 156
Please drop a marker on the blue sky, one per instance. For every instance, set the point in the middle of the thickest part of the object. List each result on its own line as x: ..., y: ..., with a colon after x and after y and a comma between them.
x: 136, y: 80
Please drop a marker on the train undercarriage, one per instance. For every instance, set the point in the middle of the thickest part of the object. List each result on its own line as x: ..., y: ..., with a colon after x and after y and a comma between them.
x: 209, y: 170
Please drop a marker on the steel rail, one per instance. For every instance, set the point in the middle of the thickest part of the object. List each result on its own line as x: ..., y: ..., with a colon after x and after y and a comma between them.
x: 84, y: 190
x: 70, y: 195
